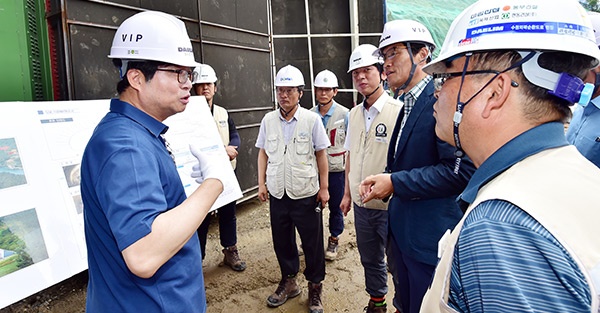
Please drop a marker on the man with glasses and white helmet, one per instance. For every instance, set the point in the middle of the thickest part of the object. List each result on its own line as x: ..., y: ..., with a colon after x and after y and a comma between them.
x: 140, y: 230
x: 205, y: 84
x: 508, y: 72
x: 335, y: 120
x: 370, y: 126
x: 292, y: 175
x: 420, y: 174
x: 584, y: 128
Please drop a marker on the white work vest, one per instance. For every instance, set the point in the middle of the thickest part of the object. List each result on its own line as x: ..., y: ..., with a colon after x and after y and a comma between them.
x: 560, y: 189
x: 222, y: 120
x: 368, y: 150
x: 336, y: 132
x: 292, y: 168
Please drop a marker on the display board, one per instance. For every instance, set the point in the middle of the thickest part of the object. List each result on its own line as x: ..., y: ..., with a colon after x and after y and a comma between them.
x: 41, y: 213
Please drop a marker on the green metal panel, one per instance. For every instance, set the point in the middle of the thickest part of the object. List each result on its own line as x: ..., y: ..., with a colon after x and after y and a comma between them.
x: 24, y: 56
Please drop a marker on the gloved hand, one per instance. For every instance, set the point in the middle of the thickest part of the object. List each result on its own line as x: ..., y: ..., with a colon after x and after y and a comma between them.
x: 197, y: 173
x: 204, y: 169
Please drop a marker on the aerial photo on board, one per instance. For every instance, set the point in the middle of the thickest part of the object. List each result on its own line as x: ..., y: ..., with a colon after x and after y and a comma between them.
x: 11, y: 168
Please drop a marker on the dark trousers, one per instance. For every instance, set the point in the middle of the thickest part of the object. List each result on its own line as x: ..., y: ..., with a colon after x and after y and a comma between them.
x: 411, y: 278
x: 227, y: 227
x: 337, y: 180
x: 287, y: 216
x: 371, y: 240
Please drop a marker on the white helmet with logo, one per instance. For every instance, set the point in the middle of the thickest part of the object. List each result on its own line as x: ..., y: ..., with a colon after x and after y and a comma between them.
x: 405, y: 31
x: 204, y: 74
x: 364, y: 55
x: 595, y: 19
x: 326, y: 79
x: 289, y: 76
x: 153, y: 36
x: 541, y: 25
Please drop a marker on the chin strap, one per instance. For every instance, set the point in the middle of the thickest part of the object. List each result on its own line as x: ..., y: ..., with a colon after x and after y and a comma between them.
x: 459, y: 153
x: 397, y: 93
x: 284, y: 112
x: 413, y: 68
x: 597, y: 83
x: 324, y: 104
x: 374, y: 91
x: 123, y: 68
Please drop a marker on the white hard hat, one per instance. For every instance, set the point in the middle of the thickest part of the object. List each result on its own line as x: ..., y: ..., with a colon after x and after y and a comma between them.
x: 153, y: 36
x: 541, y: 25
x: 363, y: 55
x: 595, y: 19
x: 289, y: 76
x: 326, y: 79
x: 204, y: 74
x: 405, y: 31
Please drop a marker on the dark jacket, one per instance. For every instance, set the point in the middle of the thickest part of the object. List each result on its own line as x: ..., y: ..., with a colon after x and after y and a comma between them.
x: 423, y: 205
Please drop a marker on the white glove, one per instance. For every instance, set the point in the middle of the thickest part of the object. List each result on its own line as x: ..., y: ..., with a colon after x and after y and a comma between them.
x: 197, y: 173
x: 204, y: 169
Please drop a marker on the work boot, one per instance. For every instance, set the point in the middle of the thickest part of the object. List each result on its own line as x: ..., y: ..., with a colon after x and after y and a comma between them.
x: 332, y: 248
x: 287, y: 289
x: 314, y: 298
x: 231, y: 258
x: 374, y: 307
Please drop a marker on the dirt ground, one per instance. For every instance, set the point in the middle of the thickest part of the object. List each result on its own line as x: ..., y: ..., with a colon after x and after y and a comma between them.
x: 229, y: 291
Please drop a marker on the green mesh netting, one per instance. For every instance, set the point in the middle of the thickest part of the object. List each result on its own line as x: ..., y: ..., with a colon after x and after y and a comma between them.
x: 436, y: 15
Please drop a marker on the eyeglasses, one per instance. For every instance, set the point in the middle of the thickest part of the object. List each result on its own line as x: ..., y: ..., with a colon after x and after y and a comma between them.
x: 287, y: 91
x: 389, y: 56
x: 182, y: 75
x: 439, y: 79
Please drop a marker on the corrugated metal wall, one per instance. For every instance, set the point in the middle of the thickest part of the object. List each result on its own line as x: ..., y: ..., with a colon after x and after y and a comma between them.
x: 236, y: 43
x: 325, y: 42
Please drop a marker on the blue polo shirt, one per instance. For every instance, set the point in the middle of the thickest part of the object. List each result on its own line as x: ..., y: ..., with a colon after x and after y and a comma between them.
x: 584, y: 130
x: 127, y: 179
x: 505, y: 260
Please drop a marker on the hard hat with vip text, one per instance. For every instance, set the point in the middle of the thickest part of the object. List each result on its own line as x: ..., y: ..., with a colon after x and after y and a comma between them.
x: 153, y: 36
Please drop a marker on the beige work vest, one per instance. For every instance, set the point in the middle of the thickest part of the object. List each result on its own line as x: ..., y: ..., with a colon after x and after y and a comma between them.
x: 567, y: 205
x: 336, y: 132
x: 291, y: 168
x: 368, y: 150
x: 222, y: 120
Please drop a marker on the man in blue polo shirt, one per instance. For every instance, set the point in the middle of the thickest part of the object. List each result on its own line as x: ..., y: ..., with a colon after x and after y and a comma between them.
x: 143, y: 254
